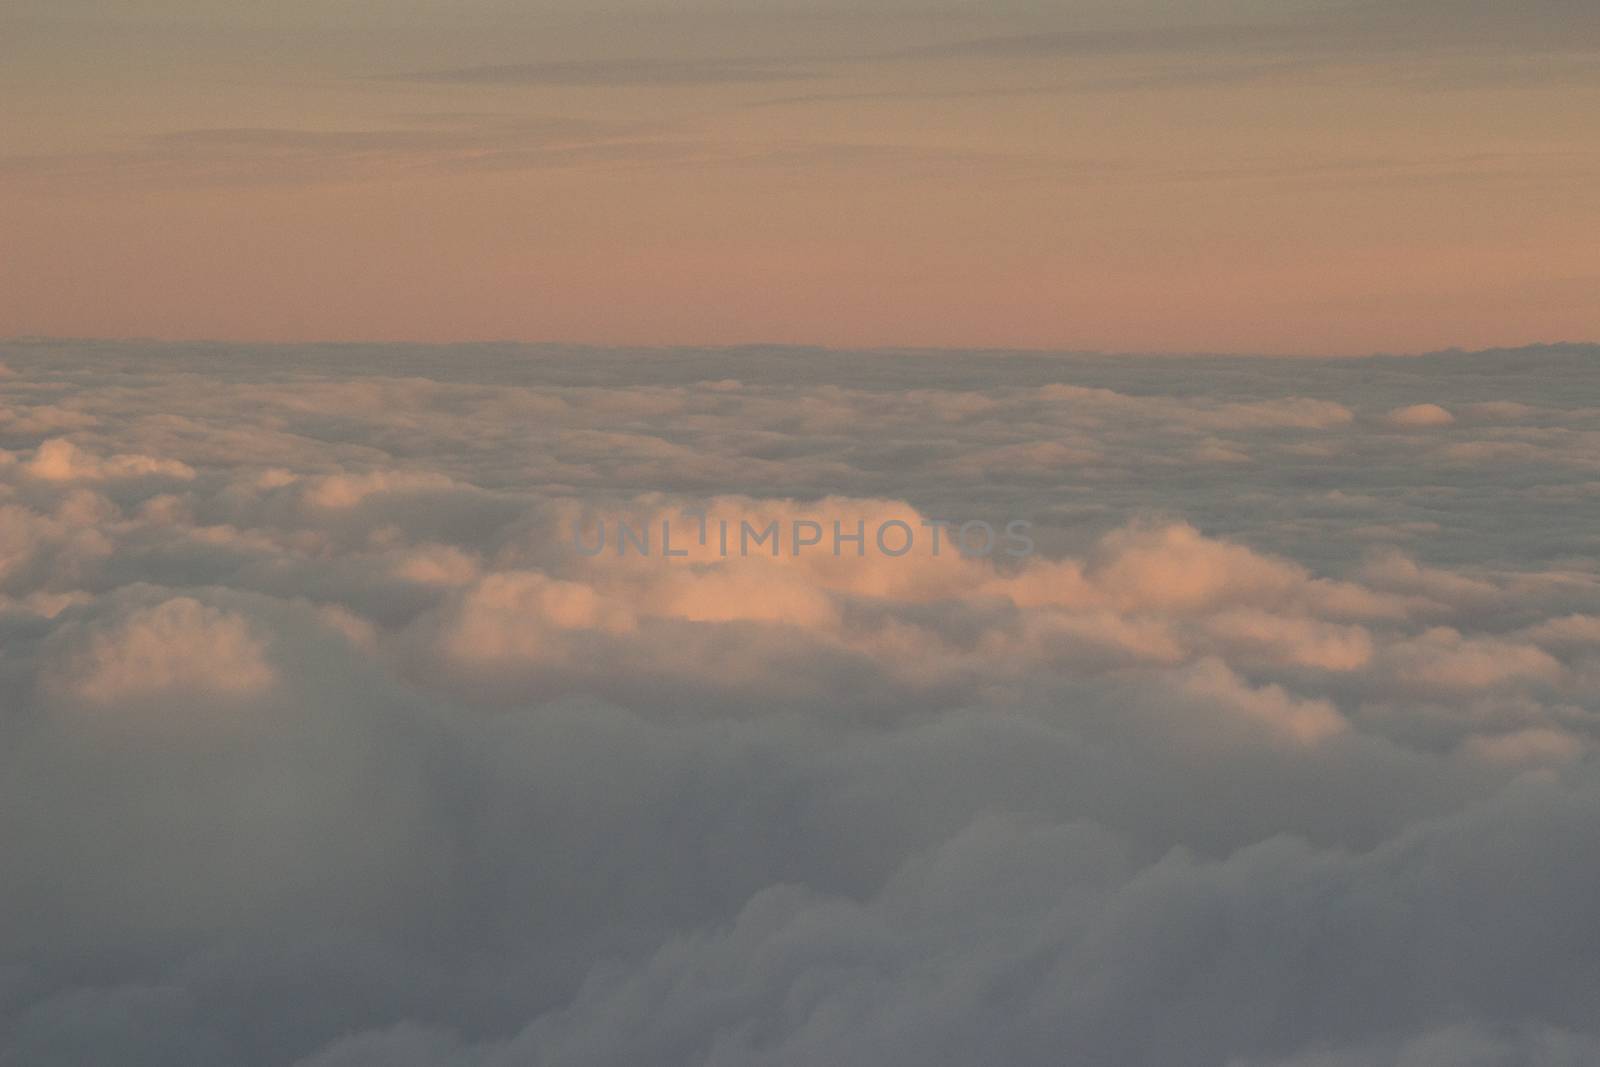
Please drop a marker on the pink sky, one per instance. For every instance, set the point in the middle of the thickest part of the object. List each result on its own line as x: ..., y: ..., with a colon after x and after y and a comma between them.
x: 1301, y: 180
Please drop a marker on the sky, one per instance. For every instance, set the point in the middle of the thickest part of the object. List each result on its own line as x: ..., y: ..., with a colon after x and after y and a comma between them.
x: 1111, y: 493
x: 323, y: 743
x: 1232, y: 175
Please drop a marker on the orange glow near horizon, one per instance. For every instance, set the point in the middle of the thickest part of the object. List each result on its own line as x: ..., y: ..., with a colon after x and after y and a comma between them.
x: 1086, y: 193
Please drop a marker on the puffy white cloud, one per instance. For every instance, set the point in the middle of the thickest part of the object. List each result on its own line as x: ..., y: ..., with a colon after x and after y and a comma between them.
x: 59, y: 460
x: 177, y: 650
x: 322, y: 743
x: 1420, y: 415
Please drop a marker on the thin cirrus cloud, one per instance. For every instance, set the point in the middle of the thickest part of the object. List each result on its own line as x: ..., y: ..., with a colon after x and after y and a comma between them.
x: 1436, y: 44
x: 441, y: 145
x: 1421, y: 25
x: 655, y: 73
x: 432, y: 144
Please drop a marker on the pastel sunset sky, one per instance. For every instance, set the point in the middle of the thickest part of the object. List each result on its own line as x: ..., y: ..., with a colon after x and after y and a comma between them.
x: 1222, y: 175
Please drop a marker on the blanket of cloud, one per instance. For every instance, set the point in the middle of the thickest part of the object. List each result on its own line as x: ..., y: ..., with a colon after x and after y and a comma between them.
x: 321, y: 745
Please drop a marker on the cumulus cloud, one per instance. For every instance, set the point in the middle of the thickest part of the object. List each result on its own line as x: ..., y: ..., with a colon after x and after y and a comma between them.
x: 325, y: 742
x: 59, y: 460
x: 175, y: 649
x: 1420, y: 415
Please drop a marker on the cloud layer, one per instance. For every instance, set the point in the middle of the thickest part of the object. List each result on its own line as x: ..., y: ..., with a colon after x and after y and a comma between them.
x: 323, y: 746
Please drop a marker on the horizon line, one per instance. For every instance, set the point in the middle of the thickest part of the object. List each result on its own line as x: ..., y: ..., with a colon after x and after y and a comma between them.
x: 999, y: 350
